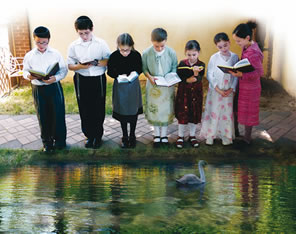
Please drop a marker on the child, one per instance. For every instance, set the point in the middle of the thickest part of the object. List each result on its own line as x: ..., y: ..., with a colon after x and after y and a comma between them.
x: 188, y: 106
x: 249, y: 83
x: 159, y: 60
x: 217, y: 120
x: 126, y: 98
x: 48, y: 94
x: 87, y: 57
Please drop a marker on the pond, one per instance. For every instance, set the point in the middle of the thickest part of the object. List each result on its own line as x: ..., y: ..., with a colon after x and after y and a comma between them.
x: 242, y: 196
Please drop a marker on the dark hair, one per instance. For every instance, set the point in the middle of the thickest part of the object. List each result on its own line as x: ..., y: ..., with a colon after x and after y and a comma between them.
x: 41, y: 32
x: 221, y: 37
x: 83, y: 23
x: 192, y: 45
x: 159, y: 35
x: 125, y: 39
x: 244, y: 30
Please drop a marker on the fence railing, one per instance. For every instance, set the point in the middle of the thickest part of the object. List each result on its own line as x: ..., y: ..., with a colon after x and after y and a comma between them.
x: 10, y: 71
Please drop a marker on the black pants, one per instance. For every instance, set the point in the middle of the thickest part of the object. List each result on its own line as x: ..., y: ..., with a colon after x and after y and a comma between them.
x: 50, y: 108
x: 91, y: 99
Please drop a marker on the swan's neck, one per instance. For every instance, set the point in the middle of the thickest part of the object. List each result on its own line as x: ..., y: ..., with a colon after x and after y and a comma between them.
x: 202, y: 173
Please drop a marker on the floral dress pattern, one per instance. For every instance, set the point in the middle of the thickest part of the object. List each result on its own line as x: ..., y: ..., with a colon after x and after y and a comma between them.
x: 217, y: 119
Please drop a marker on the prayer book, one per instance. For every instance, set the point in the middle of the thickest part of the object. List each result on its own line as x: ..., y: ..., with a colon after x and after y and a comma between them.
x: 126, y: 79
x: 93, y: 62
x: 51, y: 71
x: 167, y: 80
x: 243, y: 66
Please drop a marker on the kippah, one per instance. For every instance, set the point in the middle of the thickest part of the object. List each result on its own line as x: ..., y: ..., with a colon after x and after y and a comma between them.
x: 42, y: 32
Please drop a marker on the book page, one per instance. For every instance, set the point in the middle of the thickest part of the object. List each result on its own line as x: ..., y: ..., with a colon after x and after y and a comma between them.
x: 243, y: 62
x: 122, y: 79
x: 161, y: 81
x: 172, y: 78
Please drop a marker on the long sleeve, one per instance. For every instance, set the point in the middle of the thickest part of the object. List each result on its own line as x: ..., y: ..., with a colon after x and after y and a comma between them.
x: 256, y: 61
x: 174, y: 62
x: 61, y: 74
x: 210, y: 73
x: 138, y: 63
x: 112, y: 70
x: 184, y: 73
x: 144, y: 62
x: 26, y: 67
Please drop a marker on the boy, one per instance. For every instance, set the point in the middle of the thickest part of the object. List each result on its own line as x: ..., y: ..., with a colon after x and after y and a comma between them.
x: 48, y: 94
x: 159, y: 60
x: 89, y: 79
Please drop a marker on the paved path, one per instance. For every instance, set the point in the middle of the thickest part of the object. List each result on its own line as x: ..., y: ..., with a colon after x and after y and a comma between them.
x: 22, y: 131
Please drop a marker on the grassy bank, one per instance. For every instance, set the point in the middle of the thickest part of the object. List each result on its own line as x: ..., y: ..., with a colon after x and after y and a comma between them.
x: 283, y: 151
x: 20, y: 101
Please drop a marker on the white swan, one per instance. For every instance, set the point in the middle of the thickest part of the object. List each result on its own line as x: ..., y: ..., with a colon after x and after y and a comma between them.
x: 191, y: 179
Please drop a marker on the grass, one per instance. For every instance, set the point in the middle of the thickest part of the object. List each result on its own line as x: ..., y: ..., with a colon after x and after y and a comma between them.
x: 20, y: 101
x: 283, y: 151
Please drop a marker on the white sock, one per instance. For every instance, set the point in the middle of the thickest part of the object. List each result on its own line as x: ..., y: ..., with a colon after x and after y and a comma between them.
x: 157, y: 133
x: 164, y: 130
x: 192, y: 129
x: 181, y: 130
x: 156, y: 130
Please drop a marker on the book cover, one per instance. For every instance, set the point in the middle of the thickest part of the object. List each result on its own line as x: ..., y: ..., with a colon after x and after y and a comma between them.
x: 51, y: 71
x: 93, y: 62
x: 243, y: 66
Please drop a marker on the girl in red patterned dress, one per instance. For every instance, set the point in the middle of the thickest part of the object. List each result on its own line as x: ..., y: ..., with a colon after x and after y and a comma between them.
x: 249, y: 83
x: 188, y: 105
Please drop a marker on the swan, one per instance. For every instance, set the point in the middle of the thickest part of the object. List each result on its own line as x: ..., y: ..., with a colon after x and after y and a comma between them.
x: 191, y: 179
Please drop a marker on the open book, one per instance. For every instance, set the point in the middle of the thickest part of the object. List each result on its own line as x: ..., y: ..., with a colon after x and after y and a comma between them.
x: 93, y: 62
x: 168, y: 80
x: 125, y: 79
x: 51, y: 71
x: 243, y: 66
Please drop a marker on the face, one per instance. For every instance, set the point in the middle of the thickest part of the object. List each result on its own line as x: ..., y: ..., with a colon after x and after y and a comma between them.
x: 85, y: 34
x: 159, y: 46
x: 242, y: 42
x: 192, y: 55
x: 223, y: 47
x: 124, y: 50
x: 41, y: 43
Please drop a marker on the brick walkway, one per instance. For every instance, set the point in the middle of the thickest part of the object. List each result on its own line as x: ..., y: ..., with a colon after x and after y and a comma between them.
x: 22, y: 131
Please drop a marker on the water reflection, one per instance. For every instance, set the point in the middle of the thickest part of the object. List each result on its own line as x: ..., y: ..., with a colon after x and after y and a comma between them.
x: 253, y: 197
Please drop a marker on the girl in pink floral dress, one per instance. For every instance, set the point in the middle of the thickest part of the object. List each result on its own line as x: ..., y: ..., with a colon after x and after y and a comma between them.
x: 217, y: 119
x: 249, y: 83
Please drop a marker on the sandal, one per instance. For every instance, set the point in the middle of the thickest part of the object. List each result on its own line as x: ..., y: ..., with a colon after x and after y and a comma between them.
x: 164, y: 140
x: 180, y: 142
x: 194, y: 143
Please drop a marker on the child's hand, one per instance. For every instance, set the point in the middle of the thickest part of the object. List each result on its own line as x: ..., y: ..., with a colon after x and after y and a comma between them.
x: 221, y: 92
x: 190, y: 80
x: 236, y: 74
x: 32, y: 77
x: 228, y: 92
x: 80, y: 66
x: 152, y: 80
x: 51, y: 80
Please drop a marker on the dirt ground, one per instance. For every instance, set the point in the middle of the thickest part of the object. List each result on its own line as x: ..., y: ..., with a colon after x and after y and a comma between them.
x: 275, y: 98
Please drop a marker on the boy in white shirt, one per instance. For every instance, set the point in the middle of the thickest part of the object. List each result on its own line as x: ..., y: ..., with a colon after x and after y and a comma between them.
x: 89, y: 79
x: 48, y: 94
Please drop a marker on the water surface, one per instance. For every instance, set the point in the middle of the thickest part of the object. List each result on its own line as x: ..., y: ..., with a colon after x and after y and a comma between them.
x: 253, y: 196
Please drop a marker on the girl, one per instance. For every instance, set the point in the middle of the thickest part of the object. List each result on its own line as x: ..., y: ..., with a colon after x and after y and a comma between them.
x: 126, y: 97
x: 217, y: 120
x: 188, y: 106
x: 249, y: 83
x: 159, y: 60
